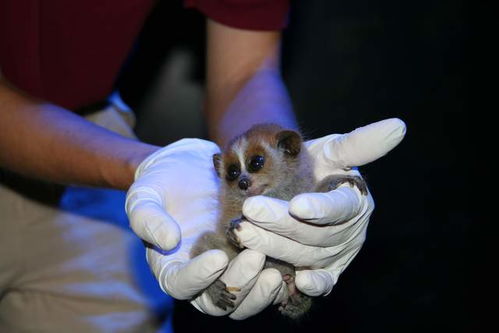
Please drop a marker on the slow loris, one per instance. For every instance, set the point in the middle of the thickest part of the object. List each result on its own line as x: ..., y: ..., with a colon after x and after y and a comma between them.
x: 265, y: 160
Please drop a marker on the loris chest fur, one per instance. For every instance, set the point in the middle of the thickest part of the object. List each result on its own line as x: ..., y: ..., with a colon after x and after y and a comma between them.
x: 266, y: 160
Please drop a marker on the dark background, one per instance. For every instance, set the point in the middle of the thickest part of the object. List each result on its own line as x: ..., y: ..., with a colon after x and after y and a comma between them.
x: 347, y: 64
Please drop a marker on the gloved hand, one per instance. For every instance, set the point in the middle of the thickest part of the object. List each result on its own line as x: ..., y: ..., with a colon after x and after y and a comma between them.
x: 172, y: 202
x: 337, y: 221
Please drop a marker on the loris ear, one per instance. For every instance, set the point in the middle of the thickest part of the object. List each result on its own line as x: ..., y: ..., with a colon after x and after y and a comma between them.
x: 217, y: 161
x: 289, y: 142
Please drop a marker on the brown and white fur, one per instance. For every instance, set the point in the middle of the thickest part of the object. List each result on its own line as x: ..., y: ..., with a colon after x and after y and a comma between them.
x: 266, y: 160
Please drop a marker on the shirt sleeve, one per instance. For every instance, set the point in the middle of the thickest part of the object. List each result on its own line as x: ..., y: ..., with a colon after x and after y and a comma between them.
x: 245, y: 14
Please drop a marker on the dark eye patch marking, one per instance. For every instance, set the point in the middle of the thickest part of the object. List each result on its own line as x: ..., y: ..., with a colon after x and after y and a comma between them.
x: 256, y: 163
x: 233, y: 171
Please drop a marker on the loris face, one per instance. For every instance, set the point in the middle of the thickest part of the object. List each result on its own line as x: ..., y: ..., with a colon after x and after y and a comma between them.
x: 261, y: 161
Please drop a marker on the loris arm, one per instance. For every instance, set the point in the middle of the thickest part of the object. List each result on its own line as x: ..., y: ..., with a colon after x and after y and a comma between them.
x: 244, y: 85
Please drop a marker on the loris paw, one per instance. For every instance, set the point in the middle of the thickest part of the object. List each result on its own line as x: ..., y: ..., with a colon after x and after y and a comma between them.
x: 335, y: 181
x: 297, y: 304
x: 220, y: 296
x: 231, y: 235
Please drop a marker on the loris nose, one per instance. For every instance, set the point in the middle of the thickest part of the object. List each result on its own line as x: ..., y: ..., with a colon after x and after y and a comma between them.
x: 244, y: 183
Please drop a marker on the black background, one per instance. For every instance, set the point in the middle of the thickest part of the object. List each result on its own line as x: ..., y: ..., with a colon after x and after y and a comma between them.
x: 347, y: 64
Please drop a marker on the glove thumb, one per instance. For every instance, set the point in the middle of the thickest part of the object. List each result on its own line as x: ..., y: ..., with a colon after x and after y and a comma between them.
x: 152, y: 223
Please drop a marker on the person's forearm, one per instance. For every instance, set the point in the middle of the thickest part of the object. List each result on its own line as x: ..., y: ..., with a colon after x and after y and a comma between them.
x: 244, y: 86
x: 47, y: 142
x: 263, y: 98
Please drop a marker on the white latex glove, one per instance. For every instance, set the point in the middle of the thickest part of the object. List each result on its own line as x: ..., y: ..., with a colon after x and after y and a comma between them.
x: 337, y: 221
x: 172, y: 202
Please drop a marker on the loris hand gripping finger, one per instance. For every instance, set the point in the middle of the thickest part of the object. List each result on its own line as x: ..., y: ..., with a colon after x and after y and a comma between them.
x: 272, y: 161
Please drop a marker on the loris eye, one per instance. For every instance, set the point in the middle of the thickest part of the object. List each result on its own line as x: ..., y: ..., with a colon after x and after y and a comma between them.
x: 256, y: 163
x: 233, y: 172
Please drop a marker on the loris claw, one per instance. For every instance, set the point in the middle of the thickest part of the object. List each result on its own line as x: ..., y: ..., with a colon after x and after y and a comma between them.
x: 272, y: 161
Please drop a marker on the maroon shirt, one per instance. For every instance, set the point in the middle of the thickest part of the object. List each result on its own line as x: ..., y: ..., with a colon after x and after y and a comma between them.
x: 69, y: 52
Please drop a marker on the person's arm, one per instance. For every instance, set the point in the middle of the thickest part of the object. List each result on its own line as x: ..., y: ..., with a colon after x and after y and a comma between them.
x: 244, y: 85
x: 47, y: 142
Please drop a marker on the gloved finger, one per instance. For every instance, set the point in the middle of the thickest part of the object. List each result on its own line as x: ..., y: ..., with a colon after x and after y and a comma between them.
x: 359, y: 147
x: 319, y: 282
x: 315, y: 282
x: 274, y: 215
x: 268, y: 289
x: 239, y: 277
x: 183, y: 279
x: 297, y: 254
x: 272, y: 245
x: 331, y: 208
x: 150, y: 221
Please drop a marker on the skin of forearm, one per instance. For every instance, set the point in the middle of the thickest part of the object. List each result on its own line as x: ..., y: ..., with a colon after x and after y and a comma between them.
x: 47, y: 142
x: 244, y: 86
x: 263, y: 98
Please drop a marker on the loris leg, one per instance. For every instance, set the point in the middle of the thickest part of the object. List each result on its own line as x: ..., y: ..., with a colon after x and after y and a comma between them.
x: 217, y: 291
x: 297, y: 303
x: 334, y: 181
